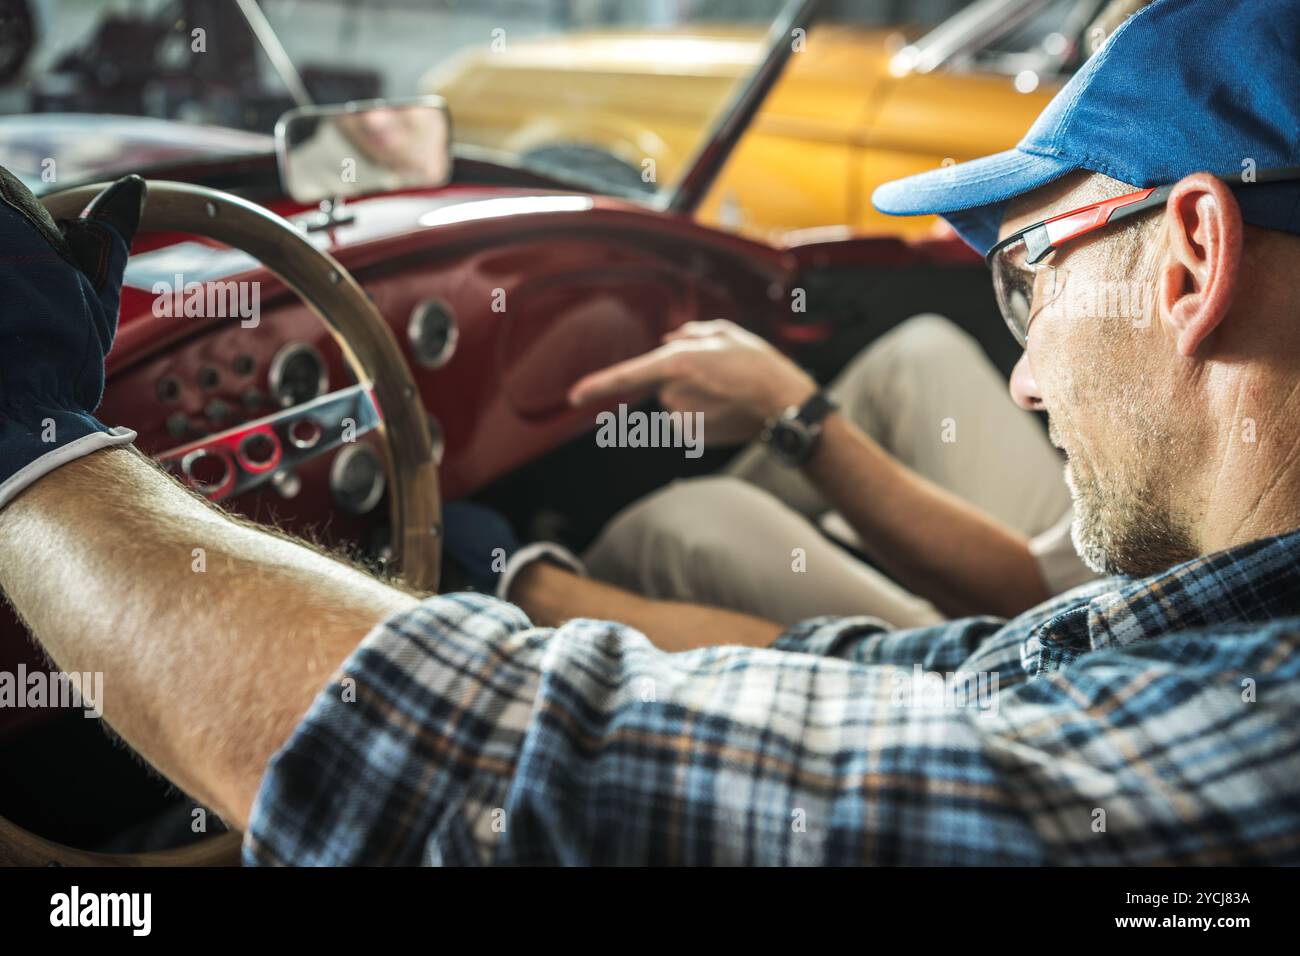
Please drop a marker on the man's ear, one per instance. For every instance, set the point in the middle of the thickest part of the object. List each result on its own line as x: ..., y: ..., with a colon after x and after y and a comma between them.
x: 1197, y: 282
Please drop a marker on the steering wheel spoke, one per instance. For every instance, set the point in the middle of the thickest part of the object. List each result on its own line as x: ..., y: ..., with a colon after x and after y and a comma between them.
x: 247, y: 456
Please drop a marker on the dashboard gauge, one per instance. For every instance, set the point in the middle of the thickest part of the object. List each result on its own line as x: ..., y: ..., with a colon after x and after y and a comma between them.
x: 432, y: 333
x: 298, y: 374
x: 357, y: 479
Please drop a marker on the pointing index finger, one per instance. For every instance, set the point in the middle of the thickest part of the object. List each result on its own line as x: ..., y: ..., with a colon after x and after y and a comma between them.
x: 641, y: 375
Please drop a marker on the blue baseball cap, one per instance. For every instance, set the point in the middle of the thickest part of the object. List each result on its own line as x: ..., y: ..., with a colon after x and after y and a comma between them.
x: 1182, y: 86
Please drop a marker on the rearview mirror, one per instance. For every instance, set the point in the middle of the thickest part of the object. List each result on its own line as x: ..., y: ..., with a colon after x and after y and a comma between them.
x: 337, y: 152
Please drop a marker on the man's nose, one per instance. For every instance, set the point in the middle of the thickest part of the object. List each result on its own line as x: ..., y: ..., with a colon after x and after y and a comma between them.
x: 1023, y: 387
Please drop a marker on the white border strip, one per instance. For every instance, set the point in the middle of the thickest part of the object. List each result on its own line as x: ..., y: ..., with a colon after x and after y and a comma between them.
x: 32, y: 472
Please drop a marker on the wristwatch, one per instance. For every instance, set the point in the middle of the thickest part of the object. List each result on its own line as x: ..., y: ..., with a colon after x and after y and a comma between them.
x: 793, y: 434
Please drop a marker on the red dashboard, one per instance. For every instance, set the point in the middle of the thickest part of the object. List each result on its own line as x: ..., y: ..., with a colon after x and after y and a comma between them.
x: 524, y: 293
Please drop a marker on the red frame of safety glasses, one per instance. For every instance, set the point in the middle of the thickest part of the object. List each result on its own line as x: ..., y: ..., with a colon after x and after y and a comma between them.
x: 1043, y: 238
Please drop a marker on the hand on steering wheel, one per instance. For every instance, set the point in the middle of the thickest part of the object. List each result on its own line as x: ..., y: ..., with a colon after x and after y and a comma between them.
x: 59, y: 290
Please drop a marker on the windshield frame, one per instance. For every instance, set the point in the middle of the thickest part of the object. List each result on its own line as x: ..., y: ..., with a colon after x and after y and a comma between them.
x: 734, y: 119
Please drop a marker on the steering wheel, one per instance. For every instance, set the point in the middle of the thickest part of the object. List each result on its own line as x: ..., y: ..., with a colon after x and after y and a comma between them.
x: 385, y: 400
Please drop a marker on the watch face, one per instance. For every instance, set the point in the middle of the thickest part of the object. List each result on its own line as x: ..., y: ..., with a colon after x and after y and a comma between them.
x: 791, y: 437
x: 788, y: 440
x: 791, y: 440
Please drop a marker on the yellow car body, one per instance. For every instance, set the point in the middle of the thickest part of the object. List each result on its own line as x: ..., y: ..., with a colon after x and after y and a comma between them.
x: 838, y: 122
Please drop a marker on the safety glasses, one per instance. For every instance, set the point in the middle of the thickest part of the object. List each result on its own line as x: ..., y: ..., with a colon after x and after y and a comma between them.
x: 1025, y: 285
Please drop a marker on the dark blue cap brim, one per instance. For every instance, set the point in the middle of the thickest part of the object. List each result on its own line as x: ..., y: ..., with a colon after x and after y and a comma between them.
x: 971, y: 196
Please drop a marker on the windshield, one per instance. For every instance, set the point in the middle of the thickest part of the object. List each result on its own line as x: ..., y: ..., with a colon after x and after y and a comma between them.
x: 612, y: 95
x: 559, y: 87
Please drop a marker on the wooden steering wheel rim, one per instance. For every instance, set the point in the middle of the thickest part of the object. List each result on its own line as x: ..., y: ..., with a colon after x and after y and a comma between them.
x: 370, y: 349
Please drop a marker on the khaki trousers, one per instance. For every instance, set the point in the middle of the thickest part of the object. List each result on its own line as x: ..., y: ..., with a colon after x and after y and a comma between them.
x: 751, y: 539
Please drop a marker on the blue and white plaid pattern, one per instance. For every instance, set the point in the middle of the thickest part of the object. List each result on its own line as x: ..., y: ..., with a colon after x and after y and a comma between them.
x: 1126, y: 722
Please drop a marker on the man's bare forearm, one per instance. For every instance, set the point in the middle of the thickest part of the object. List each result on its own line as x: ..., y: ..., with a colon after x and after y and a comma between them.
x: 551, y: 595
x: 928, y: 539
x: 212, y: 635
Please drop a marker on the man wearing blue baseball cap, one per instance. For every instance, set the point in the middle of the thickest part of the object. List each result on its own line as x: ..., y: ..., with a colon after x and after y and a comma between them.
x: 1173, y: 182
x: 1148, y: 718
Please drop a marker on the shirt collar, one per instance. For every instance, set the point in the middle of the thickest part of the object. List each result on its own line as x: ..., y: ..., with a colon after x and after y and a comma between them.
x: 1259, y: 581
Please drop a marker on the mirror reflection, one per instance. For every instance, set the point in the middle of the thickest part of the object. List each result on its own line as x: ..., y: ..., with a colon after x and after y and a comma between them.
x: 337, y: 152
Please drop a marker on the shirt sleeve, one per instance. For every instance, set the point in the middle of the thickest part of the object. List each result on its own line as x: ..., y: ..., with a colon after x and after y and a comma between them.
x: 457, y: 733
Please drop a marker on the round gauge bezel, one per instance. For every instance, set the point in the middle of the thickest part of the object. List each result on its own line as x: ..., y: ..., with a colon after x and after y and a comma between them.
x: 275, y: 374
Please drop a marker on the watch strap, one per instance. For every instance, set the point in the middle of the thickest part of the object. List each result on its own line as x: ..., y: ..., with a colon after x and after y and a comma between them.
x: 816, y: 408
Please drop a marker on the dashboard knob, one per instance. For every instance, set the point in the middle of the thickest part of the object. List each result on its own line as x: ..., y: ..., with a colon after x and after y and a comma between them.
x: 217, y: 411
x: 178, y: 424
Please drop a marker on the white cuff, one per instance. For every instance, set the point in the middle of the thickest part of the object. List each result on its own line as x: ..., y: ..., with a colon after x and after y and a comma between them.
x: 537, y: 551
x: 33, y: 471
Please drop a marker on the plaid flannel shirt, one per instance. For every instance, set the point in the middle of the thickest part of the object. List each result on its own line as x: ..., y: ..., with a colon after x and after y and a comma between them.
x: 1127, y: 722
